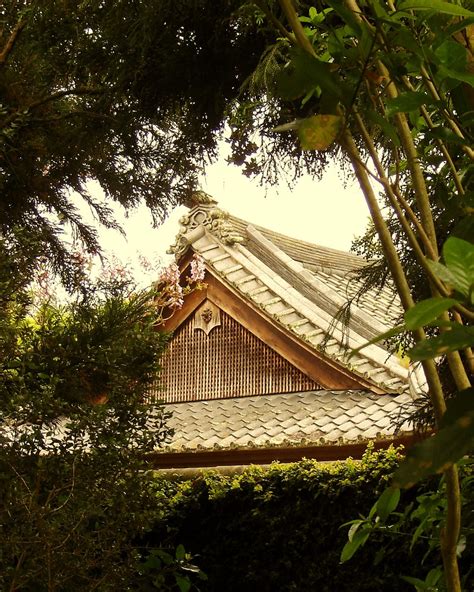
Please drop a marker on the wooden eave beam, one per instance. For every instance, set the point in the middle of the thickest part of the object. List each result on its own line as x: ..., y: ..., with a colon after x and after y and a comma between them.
x: 261, y: 456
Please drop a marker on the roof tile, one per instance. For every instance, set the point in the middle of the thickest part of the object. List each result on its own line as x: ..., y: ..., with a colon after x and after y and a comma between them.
x: 276, y: 418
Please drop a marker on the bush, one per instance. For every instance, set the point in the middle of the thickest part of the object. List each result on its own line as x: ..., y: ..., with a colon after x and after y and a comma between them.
x: 279, y: 528
x: 73, y: 430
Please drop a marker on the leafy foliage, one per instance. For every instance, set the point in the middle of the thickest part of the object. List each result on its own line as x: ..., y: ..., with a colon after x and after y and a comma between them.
x: 422, y: 520
x: 280, y: 527
x: 74, y: 427
x: 130, y: 94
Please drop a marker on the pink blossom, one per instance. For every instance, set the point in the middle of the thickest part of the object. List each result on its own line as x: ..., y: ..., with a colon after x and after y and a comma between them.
x: 170, y: 275
x: 198, y: 269
x: 145, y: 263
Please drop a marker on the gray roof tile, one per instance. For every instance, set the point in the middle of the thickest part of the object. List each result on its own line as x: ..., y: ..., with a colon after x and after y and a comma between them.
x: 278, y: 418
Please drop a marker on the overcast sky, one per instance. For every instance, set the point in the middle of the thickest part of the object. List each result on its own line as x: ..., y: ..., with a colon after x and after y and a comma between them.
x: 322, y: 212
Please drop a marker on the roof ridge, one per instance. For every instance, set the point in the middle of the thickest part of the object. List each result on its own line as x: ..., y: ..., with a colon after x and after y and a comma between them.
x: 265, y: 230
x: 204, y: 210
x: 366, y: 325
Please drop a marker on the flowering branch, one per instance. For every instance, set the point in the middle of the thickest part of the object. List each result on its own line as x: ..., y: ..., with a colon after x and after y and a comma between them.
x: 170, y: 293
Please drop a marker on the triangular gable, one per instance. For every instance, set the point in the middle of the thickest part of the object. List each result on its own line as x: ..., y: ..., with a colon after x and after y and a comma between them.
x: 318, y: 370
x: 312, y: 310
x: 212, y: 356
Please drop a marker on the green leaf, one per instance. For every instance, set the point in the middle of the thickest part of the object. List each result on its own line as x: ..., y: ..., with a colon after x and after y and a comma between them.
x: 454, y: 340
x: 461, y: 546
x: 419, y: 584
x: 358, y: 540
x: 408, y: 101
x: 450, y: 31
x: 152, y: 562
x: 387, y: 128
x: 319, y: 132
x: 442, y: 272
x: 426, y: 311
x: 387, y: 502
x: 459, y: 258
x: 435, y: 5
x: 303, y: 73
x: 183, y: 583
x: 405, y: 38
x: 180, y: 553
x: 456, y: 75
x: 452, y: 442
x: 452, y: 55
x: 381, y: 337
x: 446, y: 135
x: 346, y: 15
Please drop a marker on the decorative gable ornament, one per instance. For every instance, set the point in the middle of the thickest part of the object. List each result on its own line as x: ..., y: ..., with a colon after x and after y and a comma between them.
x: 204, y: 214
x: 207, y: 317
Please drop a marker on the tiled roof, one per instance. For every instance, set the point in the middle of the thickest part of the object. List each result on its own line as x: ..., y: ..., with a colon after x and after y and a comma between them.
x: 301, y: 287
x: 315, y: 417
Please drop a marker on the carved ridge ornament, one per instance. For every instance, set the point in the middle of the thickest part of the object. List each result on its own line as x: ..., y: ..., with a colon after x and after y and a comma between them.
x: 211, y: 217
x: 207, y: 317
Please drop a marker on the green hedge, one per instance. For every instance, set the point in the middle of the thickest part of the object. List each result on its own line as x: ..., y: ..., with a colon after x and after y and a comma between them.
x: 279, y: 528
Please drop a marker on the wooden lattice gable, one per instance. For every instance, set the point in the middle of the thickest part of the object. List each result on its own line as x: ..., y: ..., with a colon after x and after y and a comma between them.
x: 291, y: 301
x: 225, y: 346
x: 213, y: 356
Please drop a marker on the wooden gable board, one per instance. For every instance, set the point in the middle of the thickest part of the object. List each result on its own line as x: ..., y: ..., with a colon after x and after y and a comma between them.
x: 322, y: 371
x: 226, y: 360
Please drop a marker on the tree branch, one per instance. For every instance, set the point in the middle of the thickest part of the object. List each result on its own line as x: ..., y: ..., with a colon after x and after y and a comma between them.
x: 275, y: 22
x: 11, y: 42
x: 297, y: 27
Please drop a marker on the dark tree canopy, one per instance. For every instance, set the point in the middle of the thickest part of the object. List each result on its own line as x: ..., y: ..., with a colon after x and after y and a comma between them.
x: 129, y: 93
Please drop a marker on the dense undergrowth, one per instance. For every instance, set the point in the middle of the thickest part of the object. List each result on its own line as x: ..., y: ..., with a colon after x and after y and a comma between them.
x: 279, y: 528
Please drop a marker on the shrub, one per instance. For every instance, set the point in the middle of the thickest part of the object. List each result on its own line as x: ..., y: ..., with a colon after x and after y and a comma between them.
x: 279, y: 528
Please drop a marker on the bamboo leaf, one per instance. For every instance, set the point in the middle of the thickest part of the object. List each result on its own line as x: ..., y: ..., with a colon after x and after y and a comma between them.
x: 456, y: 75
x: 305, y: 72
x: 346, y: 15
x: 456, y: 339
x: 452, y: 55
x: 459, y: 258
x: 435, y: 5
x: 442, y: 272
x: 426, y: 311
x: 408, y: 101
x: 387, y: 128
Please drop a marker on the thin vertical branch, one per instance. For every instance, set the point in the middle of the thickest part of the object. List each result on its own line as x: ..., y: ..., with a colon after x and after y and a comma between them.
x: 418, y: 180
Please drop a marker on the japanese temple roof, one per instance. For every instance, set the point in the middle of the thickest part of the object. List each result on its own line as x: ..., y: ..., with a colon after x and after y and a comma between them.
x: 300, y: 287
x: 290, y: 419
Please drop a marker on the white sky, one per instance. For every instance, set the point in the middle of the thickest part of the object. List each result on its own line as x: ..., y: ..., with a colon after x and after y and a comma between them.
x: 323, y: 212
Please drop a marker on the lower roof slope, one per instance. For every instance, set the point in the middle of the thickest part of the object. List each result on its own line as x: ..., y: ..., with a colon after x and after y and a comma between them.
x: 308, y: 418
